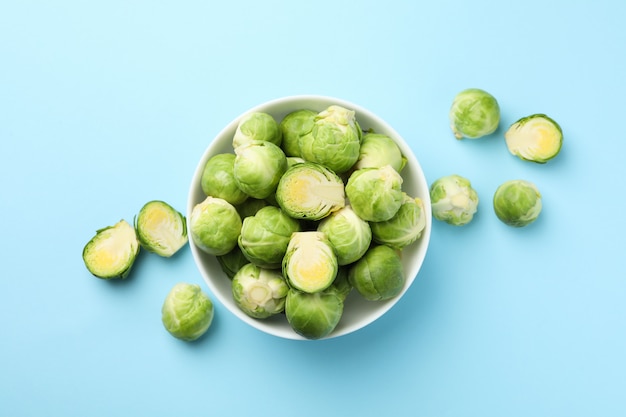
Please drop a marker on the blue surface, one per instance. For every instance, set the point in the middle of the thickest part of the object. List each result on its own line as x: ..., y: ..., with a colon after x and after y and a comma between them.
x: 106, y: 105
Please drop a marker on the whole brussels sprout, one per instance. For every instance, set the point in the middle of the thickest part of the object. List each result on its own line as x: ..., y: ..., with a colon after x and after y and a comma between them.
x: 259, y: 292
x: 349, y: 235
x: 250, y: 207
x: 218, y: 180
x: 379, y: 274
x: 334, y: 141
x: 215, y: 226
x: 375, y: 194
x: 313, y: 316
x: 453, y: 200
x: 310, y: 263
x: 187, y: 312
x: 404, y: 228
x: 257, y: 126
x: 294, y: 126
x: 258, y: 167
x: 264, y: 237
x: 517, y: 203
x: 111, y: 253
x: 341, y: 285
x: 536, y: 138
x: 474, y: 113
x: 378, y: 150
x: 161, y: 229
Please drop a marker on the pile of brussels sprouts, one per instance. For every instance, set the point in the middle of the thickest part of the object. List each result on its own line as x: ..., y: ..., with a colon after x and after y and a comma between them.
x: 304, y: 210
x: 536, y: 138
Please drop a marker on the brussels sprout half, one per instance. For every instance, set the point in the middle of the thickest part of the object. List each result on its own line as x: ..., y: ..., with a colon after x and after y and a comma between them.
x: 187, y: 312
x: 215, y: 225
x: 536, y: 138
x: 453, y: 200
x: 110, y: 254
x: 259, y: 292
x: 313, y: 316
x: 310, y: 263
x: 517, y: 203
x: 474, y: 113
x: 160, y: 228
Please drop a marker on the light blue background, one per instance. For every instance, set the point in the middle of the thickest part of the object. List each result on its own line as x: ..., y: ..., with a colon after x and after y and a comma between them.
x: 105, y: 105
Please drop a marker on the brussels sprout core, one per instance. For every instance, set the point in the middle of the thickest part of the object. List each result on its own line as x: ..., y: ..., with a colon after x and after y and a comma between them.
x: 310, y: 264
x: 517, y: 203
x: 474, y: 113
x: 536, y: 138
x: 112, y: 251
x: 259, y: 292
x: 187, y: 312
x: 160, y: 228
x: 453, y: 200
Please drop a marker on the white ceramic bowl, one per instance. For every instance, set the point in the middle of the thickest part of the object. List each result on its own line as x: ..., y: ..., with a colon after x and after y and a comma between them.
x: 358, y: 312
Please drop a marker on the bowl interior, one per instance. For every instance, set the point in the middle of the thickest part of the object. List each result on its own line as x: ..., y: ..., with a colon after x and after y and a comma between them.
x: 357, y: 311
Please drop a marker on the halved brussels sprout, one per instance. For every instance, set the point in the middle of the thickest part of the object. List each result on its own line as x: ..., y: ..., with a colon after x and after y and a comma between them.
x: 313, y: 316
x: 404, y: 228
x: 536, y: 138
x: 334, y: 141
x: 517, y: 203
x: 310, y: 263
x: 453, y: 200
x: 294, y: 126
x: 110, y: 254
x: 187, y: 312
x: 379, y: 274
x: 215, y: 226
x: 257, y: 126
x: 474, y: 113
x: 259, y: 292
x: 310, y: 191
x: 160, y: 228
x: 375, y: 194
x: 264, y: 237
x: 349, y: 234
x: 218, y: 179
x: 378, y: 150
x: 258, y: 167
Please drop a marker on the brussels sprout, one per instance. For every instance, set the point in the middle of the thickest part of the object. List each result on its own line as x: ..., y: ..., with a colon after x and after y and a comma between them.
x: 536, y: 138
x: 310, y: 191
x: 517, y: 203
x: 348, y: 233
x: 264, y: 237
x: 310, y: 264
x: 378, y: 150
x: 250, y: 207
x: 259, y: 292
x: 453, y: 200
x: 375, y: 194
x: 404, y: 228
x: 187, y: 312
x: 110, y: 254
x: 378, y: 275
x: 334, y: 141
x: 218, y: 179
x: 215, y: 225
x: 258, y: 167
x: 160, y: 228
x: 313, y: 316
x: 341, y: 285
x: 257, y: 126
x: 292, y: 160
x: 474, y: 113
x: 232, y: 262
x: 294, y: 126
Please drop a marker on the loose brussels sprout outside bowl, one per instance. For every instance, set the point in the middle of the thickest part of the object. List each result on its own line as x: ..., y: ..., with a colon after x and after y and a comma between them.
x: 358, y: 312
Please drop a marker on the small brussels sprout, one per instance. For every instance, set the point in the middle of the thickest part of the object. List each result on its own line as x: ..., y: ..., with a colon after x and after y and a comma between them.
x: 349, y: 234
x: 257, y: 126
x: 404, y: 228
x: 313, y: 316
x: 334, y: 141
x: 310, y: 191
x: 160, y: 228
x: 310, y: 263
x: 379, y: 274
x: 264, y: 237
x: 474, y: 113
x: 517, y: 203
x: 215, y: 225
x: 218, y: 179
x: 258, y: 167
x: 250, y: 207
x: 232, y: 262
x: 110, y: 254
x: 378, y: 150
x: 453, y: 200
x: 259, y: 292
x: 294, y: 126
x: 375, y: 194
x: 536, y: 138
x: 187, y: 312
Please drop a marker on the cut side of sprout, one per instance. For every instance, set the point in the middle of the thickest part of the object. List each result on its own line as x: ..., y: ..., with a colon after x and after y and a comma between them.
x: 310, y: 264
x: 112, y: 251
x: 536, y: 138
x: 160, y: 228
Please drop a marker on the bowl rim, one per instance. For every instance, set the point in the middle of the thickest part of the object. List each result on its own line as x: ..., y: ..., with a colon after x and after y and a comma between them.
x: 321, y: 101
